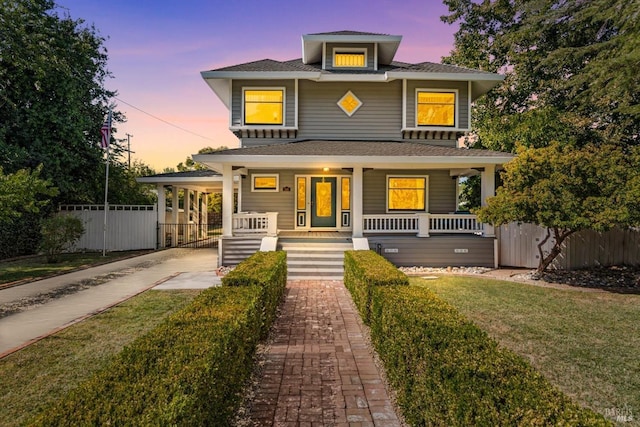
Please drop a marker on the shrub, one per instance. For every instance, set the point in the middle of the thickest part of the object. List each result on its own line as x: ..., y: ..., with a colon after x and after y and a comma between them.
x: 268, y: 270
x: 362, y: 271
x: 447, y: 371
x: 59, y: 233
x: 191, y: 369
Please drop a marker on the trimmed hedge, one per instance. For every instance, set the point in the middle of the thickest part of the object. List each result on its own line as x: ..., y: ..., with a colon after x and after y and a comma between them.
x: 190, y: 370
x: 447, y: 371
x: 267, y: 270
x: 362, y: 271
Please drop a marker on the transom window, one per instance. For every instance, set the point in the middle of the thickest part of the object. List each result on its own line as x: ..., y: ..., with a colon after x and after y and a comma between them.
x: 406, y: 193
x: 264, y: 182
x: 350, y: 58
x: 435, y: 108
x: 263, y: 106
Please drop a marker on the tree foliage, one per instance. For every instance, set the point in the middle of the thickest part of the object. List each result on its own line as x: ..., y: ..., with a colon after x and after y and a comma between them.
x: 23, y: 191
x: 568, y: 189
x: 569, y: 64
x: 52, y: 97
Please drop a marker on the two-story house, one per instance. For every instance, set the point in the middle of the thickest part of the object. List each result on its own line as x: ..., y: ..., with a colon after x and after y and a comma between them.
x: 346, y: 142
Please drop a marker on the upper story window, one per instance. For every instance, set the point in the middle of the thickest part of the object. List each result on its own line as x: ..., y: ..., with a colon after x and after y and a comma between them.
x: 349, y: 58
x: 264, y: 106
x: 435, y: 108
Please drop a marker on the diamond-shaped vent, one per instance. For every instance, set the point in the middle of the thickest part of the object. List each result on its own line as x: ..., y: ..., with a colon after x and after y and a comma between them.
x: 349, y: 103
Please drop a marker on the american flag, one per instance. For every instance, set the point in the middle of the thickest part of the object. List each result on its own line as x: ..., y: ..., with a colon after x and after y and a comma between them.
x: 105, y: 131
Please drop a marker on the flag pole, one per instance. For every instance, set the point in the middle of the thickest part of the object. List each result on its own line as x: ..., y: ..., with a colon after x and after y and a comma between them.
x: 106, y: 185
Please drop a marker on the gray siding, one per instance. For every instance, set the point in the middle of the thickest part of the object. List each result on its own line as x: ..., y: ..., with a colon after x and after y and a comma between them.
x: 379, y: 118
x: 463, y: 99
x: 442, y: 190
x: 436, y: 251
x: 236, y: 98
x: 280, y: 201
x: 331, y: 46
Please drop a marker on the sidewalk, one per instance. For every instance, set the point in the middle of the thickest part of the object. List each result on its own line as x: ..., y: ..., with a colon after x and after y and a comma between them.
x: 135, y: 275
x: 319, y: 369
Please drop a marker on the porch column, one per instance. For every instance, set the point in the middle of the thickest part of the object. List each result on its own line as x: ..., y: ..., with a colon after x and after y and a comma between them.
x: 187, y: 205
x: 488, y: 189
x: 227, y: 201
x: 204, y: 209
x: 239, y: 194
x: 356, y: 222
x: 162, y: 215
x: 196, y: 214
x: 175, y: 211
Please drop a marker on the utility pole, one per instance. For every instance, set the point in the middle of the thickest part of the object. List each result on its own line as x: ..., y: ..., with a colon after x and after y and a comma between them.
x: 129, y: 147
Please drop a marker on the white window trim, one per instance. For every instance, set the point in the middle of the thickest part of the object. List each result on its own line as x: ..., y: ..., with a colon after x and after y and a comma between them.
x: 349, y: 50
x: 265, y: 175
x: 456, y: 109
x: 426, y: 194
x: 284, y: 106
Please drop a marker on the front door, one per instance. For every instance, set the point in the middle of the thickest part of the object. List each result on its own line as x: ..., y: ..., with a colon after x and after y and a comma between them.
x: 323, y: 201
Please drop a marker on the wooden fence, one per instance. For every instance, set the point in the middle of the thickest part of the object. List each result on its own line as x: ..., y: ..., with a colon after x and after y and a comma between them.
x: 519, y: 247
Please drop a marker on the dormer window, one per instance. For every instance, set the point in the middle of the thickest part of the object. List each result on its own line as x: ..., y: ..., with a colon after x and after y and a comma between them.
x: 264, y: 106
x: 436, y: 108
x: 349, y: 57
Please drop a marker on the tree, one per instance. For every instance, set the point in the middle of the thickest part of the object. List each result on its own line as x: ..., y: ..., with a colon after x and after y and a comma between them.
x: 572, y: 58
x: 190, y: 165
x: 23, y: 191
x: 567, y: 189
x: 52, y: 97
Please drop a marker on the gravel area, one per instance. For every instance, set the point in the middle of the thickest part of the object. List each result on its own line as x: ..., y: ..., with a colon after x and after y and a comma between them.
x: 620, y: 279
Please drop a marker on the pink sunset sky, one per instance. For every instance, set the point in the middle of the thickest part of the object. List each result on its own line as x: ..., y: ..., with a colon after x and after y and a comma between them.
x: 157, y: 50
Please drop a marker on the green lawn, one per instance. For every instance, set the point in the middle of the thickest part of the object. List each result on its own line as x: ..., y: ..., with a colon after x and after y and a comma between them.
x: 36, y: 375
x: 586, y: 343
x: 36, y: 267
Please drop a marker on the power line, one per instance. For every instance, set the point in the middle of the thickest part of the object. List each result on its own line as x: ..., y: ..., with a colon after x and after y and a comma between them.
x: 164, y: 121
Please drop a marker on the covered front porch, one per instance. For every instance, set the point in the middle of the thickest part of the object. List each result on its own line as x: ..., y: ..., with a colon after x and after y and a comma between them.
x: 361, y: 190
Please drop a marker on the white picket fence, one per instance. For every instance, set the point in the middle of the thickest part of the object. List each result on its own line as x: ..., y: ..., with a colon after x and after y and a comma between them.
x: 129, y: 227
x: 519, y: 247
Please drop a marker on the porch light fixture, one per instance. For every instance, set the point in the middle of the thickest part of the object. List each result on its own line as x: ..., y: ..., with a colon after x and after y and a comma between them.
x: 325, y: 169
x: 349, y: 103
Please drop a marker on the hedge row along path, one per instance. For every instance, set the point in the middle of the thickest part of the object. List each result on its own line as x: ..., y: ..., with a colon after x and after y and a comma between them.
x: 318, y: 368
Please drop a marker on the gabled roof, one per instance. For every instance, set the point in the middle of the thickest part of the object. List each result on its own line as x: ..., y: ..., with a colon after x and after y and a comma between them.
x: 376, y: 154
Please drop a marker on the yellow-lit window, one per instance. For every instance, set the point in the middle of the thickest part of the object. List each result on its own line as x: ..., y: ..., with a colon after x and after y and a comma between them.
x: 349, y: 59
x: 406, y: 193
x: 264, y: 182
x: 346, y: 194
x: 302, y: 194
x: 436, y: 109
x: 263, y: 107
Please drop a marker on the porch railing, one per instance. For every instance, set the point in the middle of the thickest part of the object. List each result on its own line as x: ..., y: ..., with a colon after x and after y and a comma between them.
x: 423, y: 224
x: 255, y: 223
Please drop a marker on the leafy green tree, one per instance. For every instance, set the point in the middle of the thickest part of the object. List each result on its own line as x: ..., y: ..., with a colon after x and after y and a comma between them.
x: 189, y: 164
x: 123, y: 187
x: 23, y: 191
x: 567, y: 189
x: 52, y: 97
x: 572, y: 61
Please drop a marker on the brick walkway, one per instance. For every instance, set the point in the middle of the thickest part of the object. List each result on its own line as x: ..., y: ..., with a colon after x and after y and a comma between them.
x: 319, y: 370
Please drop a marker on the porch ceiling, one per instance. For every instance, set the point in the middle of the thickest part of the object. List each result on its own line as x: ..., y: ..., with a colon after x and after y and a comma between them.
x: 343, y: 154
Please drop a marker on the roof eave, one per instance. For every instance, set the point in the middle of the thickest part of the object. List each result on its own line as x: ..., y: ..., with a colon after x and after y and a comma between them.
x: 312, y: 45
x: 215, y: 162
